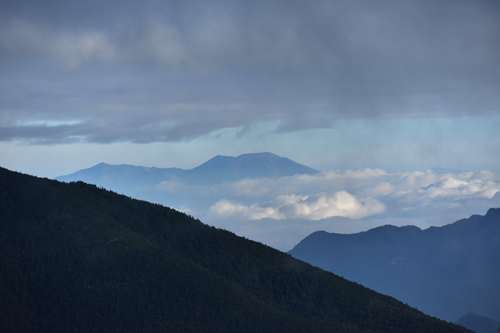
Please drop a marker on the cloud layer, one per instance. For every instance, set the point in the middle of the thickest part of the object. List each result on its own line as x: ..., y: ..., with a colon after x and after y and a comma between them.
x: 339, y: 204
x: 354, y: 194
x: 175, y: 70
x: 281, y: 211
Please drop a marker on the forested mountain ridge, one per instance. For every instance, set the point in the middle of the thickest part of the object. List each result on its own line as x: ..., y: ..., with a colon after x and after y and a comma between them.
x: 76, y: 258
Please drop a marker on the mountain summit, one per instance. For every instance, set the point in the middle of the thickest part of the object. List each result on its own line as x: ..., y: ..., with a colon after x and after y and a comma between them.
x: 256, y: 165
x: 76, y: 258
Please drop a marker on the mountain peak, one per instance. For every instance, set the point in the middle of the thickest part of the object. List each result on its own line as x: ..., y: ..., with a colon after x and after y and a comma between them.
x: 101, y: 165
x: 246, y: 156
x: 492, y: 212
x: 395, y: 228
x: 223, y: 168
x: 259, y: 155
x: 219, y: 157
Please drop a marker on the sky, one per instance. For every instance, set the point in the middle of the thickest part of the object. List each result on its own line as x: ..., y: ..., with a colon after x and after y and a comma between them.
x: 396, y: 84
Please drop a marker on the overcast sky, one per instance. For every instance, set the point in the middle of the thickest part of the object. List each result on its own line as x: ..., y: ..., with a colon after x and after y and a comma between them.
x: 395, y: 84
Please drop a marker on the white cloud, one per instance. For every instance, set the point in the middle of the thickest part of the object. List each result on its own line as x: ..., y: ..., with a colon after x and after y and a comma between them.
x: 432, y: 185
x: 253, y: 187
x: 353, y: 194
x: 382, y: 189
x: 281, y: 211
x: 325, y: 182
x: 226, y: 208
x: 464, y: 185
x: 342, y: 175
x: 339, y: 204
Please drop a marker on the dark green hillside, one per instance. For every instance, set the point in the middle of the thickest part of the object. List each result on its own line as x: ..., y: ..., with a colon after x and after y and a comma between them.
x: 75, y: 258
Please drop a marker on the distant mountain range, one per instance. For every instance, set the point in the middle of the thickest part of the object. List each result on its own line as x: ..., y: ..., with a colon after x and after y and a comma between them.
x: 479, y: 324
x: 76, y: 258
x: 445, y: 271
x: 138, y: 180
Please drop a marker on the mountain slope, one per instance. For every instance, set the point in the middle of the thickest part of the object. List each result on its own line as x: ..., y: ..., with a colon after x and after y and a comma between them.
x: 479, y: 324
x: 129, y: 179
x: 123, y: 178
x: 445, y: 271
x: 76, y: 258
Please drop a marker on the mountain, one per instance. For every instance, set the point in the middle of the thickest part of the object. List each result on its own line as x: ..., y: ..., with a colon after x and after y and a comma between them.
x: 256, y: 165
x: 131, y: 179
x: 76, y: 258
x: 479, y: 324
x: 123, y: 178
x: 445, y: 271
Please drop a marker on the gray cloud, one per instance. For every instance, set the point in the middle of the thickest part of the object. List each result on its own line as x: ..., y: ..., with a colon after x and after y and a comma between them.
x: 72, y: 49
x: 174, y: 70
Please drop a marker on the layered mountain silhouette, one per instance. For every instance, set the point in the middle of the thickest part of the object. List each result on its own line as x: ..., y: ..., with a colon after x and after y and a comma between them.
x: 129, y: 179
x: 445, y: 271
x: 479, y: 324
x: 76, y: 258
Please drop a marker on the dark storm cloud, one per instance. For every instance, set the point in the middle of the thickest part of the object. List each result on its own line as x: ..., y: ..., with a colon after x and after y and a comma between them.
x: 171, y: 70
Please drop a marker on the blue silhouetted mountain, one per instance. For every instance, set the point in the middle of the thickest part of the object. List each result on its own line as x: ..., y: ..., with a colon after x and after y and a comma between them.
x: 256, y: 165
x: 76, y: 258
x: 135, y: 180
x: 123, y: 178
x: 445, y: 271
x: 479, y: 324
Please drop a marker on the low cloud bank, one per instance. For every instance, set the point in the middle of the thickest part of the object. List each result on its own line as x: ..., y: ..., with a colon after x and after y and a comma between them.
x: 318, y: 207
x: 353, y: 194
